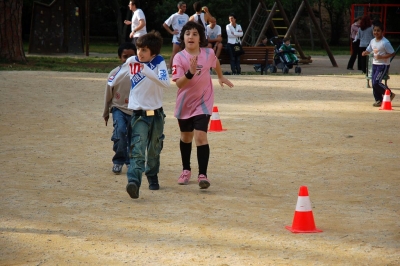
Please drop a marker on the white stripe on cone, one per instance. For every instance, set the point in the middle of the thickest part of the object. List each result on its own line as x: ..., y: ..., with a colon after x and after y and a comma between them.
x: 215, y: 116
x: 303, y: 204
x: 386, y: 98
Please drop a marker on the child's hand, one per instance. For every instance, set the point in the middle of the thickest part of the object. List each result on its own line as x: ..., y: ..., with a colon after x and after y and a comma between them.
x: 106, y: 119
x: 365, y: 53
x: 193, y: 64
x: 223, y: 80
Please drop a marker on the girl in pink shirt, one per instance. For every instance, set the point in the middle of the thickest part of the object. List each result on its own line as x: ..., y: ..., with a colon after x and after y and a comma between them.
x: 195, y: 98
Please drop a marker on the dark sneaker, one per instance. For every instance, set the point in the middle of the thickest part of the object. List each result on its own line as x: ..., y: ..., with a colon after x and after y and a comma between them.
x: 377, y: 104
x: 117, y: 168
x: 153, y: 182
x: 203, y: 182
x: 133, y: 190
x: 392, y: 95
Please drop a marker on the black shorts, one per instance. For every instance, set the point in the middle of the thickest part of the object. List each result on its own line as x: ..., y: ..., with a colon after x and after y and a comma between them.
x: 198, y: 122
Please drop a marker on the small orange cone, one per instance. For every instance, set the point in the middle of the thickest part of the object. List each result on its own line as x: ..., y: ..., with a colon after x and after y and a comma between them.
x: 215, y: 125
x: 303, y: 221
x: 386, y: 103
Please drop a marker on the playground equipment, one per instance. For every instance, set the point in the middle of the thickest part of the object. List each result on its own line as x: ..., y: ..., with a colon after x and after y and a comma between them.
x: 265, y: 17
x: 56, y: 28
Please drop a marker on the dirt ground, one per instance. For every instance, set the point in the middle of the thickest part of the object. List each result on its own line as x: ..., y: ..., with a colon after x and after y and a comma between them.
x: 62, y: 205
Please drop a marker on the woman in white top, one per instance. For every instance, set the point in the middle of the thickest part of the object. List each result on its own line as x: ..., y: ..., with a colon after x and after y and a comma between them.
x: 234, y: 32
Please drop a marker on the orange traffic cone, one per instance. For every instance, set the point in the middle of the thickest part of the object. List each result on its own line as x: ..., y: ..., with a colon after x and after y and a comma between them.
x: 386, y: 103
x: 303, y: 221
x: 215, y: 125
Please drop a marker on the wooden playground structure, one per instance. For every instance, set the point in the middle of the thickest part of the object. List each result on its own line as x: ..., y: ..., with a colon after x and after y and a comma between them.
x: 268, y: 18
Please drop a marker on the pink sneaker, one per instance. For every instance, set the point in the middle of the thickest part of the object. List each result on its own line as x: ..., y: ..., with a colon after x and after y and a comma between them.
x: 203, y: 182
x: 184, y: 178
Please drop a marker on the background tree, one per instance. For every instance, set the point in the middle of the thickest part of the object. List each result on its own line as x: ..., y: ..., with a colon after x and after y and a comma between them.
x: 11, y: 31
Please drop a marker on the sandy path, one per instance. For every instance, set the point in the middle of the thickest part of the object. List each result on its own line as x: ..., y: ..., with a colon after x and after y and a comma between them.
x: 61, y: 204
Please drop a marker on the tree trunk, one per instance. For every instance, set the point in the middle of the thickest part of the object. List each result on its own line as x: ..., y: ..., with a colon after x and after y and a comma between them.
x: 11, y: 31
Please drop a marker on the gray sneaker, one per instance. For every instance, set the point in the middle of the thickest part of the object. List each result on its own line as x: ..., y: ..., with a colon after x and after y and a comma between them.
x: 117, y: 168
x: 377, y: 104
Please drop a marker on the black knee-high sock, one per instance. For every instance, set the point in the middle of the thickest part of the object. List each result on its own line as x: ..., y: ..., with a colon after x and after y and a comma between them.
x: 203, y: 155
x: 186, y: 150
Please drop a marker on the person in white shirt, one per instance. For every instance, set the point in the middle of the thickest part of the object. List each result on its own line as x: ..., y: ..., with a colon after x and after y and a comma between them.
x: 138, y: 23
x: 234, y: 32
x: 214, y: 37
x: 177, y: 21
x: 383, y: 51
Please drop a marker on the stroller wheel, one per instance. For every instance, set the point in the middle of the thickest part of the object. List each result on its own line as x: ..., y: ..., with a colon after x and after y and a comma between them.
x: 273, y: 69
x: 285, y: 70
x: 297, y: 70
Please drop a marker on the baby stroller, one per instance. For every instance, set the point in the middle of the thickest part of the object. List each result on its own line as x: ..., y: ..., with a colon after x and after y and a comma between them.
x: 283, y: 60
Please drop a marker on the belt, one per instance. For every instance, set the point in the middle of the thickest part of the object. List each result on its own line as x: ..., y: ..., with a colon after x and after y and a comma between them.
x: 147, y: 112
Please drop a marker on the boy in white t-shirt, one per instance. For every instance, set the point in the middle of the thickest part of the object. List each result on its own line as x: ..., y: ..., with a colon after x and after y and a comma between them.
x: 383, y: 51
x: 214, y: 37
x: 149, y: 78
x: 177, y: 21
x: 195, y: 98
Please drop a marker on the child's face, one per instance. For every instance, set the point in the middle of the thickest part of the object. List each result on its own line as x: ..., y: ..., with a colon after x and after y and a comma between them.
x: 144, y: 54
x: 378, y: 32
x: 192, y: 39
x: 287, y: 43
x: 126, y: 53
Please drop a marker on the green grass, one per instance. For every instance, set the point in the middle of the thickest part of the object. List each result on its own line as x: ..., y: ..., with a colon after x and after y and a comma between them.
x: 102, y: 59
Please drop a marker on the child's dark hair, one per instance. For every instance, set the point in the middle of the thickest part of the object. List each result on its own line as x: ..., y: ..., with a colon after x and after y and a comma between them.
x: 193, y: 25
x: 286, y: 39
x: 126, y: 46
x: 151, y: 40
x: 378, y: 24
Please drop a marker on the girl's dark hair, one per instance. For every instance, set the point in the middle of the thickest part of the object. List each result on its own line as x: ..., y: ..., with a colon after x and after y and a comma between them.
x: 189, y: 26
x: 151, y: 40
x: 126, y: 46
x: 365, y: 23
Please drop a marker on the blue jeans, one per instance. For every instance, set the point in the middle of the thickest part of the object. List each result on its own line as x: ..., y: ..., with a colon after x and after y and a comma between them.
x: 120, y: 136
x: 147, y: 139
x: 378, y: 88
x: 235, y: 60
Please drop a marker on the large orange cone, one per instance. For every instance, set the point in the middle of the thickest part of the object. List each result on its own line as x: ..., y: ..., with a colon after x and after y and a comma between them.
x: 303, y: 221
x: 215, y: 125
x: 386, y: 103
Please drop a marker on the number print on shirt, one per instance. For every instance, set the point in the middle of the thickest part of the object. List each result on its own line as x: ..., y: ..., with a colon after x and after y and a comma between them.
x: 135, y: 68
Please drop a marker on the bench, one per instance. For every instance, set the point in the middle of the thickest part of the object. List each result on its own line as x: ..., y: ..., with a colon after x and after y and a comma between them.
x: 263, y: 55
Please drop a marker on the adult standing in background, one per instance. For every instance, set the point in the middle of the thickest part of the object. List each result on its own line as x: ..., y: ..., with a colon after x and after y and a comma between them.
x: 138, y: 23
x: 200, y: 17
x: 365, y: 35
x: 177, y: 21
x: 234, y: 32
x: 355, y: 44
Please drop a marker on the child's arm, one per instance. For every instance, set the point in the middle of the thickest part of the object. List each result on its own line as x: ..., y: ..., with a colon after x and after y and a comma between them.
x: 221, y: 78
x: 161, y: 78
